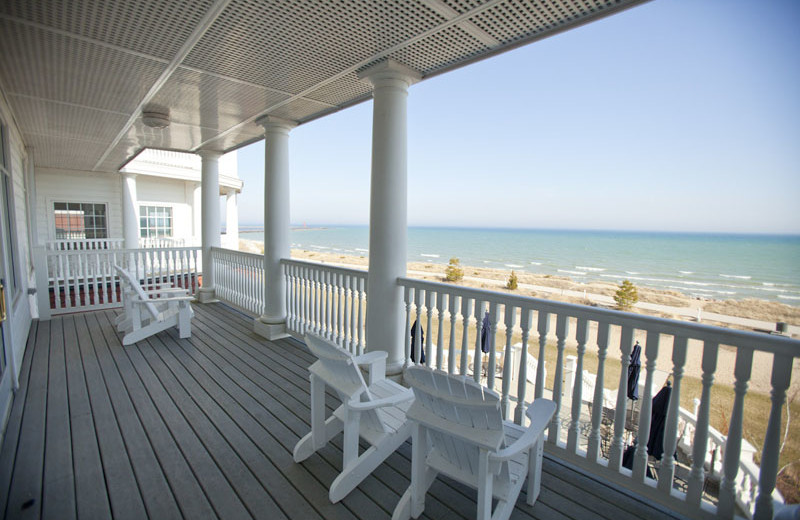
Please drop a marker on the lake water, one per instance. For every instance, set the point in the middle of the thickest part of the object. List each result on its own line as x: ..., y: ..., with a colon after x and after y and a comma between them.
x: 717, y: 266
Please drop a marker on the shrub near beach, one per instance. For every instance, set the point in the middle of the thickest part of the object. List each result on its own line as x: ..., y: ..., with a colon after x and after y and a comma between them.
x: 454, y: 272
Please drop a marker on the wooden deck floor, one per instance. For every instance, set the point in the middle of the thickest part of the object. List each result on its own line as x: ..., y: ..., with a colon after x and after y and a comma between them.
x: 204, y: 428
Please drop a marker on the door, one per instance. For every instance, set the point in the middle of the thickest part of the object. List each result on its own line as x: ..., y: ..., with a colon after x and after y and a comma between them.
x: 9, y: 281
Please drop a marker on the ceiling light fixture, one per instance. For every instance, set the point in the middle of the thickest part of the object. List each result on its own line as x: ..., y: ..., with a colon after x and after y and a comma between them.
x: 155, y: 117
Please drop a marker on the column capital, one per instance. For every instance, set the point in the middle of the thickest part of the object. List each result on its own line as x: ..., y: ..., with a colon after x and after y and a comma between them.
x: 272, y: 123
x: 388, y: 71
x: 209, y: 154
x: 129, y: 175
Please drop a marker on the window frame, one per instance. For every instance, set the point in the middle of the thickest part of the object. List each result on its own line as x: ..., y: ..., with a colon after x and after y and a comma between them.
x: 52, y: 202
x: 144, y: 215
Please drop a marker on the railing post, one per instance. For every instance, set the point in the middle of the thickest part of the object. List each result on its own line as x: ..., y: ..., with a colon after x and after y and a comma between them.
x: 562, y: 330
x: 646, y: 409
x: 575, y: 386
x: 625, y: 345
x: 543, y: 329
x: 667, y: 472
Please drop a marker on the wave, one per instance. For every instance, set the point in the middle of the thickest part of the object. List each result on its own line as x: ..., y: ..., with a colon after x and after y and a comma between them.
x: 515, y: 266
x: 594, y: 269
x: 319, y: 247
x: 536, y: 263
x: 632, y: 272
x: 363, y: 250
x: 686, y: 272
x: 736, y: 276
x: 567, y: 271
x: 426, y: 255
x: 787, y: 297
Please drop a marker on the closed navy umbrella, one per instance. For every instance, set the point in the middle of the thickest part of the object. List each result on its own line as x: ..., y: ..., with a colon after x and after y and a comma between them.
x: 421, y: 342
x: 658, y: 421
x: 633, y: 372
x: 485, y: 329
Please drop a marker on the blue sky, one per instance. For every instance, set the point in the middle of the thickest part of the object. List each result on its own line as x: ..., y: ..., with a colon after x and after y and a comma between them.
x: 677, y: 115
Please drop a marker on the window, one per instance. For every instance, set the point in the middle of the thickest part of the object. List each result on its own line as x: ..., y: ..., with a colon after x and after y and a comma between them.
x: 155, y: 221
x: 80, y: 220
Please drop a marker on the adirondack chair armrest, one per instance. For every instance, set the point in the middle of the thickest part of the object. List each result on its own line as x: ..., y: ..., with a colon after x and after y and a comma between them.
x: 375, y: 363
x: 166, y: 290
x: 398, y: 398
x: 539, y: 412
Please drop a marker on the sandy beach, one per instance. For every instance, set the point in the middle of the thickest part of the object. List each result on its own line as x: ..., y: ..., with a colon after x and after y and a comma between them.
x: 750, y: 314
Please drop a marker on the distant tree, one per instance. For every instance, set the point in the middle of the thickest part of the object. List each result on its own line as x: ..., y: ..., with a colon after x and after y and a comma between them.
x: 626, y: 296
x: 512, y: 281
x: 454, y: 273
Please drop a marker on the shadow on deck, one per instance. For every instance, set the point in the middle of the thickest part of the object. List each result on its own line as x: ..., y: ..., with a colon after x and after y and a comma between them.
x: 204, y: 428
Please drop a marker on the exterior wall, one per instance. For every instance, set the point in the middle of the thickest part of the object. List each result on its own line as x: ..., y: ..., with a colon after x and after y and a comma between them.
x: 19, y: 315
x: 76, y: 186
x: 158, y: 191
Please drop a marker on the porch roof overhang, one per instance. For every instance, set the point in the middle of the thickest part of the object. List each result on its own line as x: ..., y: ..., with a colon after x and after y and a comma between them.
x: 78, y: 73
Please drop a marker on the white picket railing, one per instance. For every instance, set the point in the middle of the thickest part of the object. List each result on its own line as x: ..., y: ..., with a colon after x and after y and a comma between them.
x: 84, y: 279
x: 459, y: 311
x: 239, y: 279
x: 83, y: 244
x: 326, y: 300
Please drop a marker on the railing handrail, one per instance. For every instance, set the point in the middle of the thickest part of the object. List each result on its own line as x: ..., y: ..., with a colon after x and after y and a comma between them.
x: 328, y: 267
x: 146, y: 250
x: 772, y: 343
x: 236, y: 252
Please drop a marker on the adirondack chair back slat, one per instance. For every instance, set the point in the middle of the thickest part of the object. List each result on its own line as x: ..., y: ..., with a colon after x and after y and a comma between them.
x: 461, y: 405
x: 134, y: 286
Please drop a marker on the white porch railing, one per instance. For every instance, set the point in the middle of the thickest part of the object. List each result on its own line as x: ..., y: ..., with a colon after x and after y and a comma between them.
x: 329, y: 301
x: 162, y: 242
x: 84, y: 244
x: 458, y: 313
x: 84, y: 279
x: 239, y: 279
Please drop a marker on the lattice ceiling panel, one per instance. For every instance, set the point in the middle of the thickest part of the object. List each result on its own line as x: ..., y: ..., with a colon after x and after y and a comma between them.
x: 343, y: 90
x: 84, y: 69
x: 212, y: 102
x: 300, y: 109
x: 515, y: 20
x: 152, y: 27
x: 293, y: 46
x: 67, y: 153
x: 444, y: 48
x: 47, y: 65
x: 62, y: 120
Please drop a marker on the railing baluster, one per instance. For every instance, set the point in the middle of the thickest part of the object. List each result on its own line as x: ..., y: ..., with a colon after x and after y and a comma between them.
x: 781, y: 376
x: 440, y: 300
x: 667, y: 470
x: 416, y: 347
x: 407, y: 337
x: 697, y: 477
x: 646, y: 409
x: 510, y: 313
x: 451, y: 352
x: 361, y: 304
x: 494, y: 317
x: 466, y: 311
x: 543, y: 329
x: 477, y: 354
x: 733, y: 444
x: 581, y: 334
x: 525, y: 316
x: 430, y: 299
x: 562, y: 330
x: 625, y: 346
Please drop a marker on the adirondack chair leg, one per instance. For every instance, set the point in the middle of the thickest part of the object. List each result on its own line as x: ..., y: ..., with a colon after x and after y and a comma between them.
x: 140, y: 333
x: 321, y: 430
x: 185, y: 321
x: 350, y: 439
x: 484, y: 487
x: 535, y: 471
x: 422, y: 476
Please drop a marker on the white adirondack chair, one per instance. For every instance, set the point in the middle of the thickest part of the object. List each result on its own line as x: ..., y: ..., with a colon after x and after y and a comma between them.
x: 374, y: 412
x: 124, y: 321
x: 147, y: 314
x: 459, y: 432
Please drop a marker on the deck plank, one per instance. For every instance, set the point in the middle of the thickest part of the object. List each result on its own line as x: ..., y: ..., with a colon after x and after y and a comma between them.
x: 189, y: 495
x: 8, y: 454
x: 25, y: 495
x: 91, y: 495
x: 58, y: 494
x: 123, y: 491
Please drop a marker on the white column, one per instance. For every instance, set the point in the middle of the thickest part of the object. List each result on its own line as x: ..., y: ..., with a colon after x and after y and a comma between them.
x: 130, y: 211
x: 388, y: 210
x: 197, y: 214
x: 277, y: 243
x: 210, y: 218
x: 232, y: 219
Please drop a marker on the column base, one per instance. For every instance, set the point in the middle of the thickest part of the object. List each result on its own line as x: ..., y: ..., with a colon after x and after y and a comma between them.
x: 206, y: 295
x: 270, y: 330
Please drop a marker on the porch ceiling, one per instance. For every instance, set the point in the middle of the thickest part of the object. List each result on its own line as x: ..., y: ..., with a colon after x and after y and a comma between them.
x: 77, y: 73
